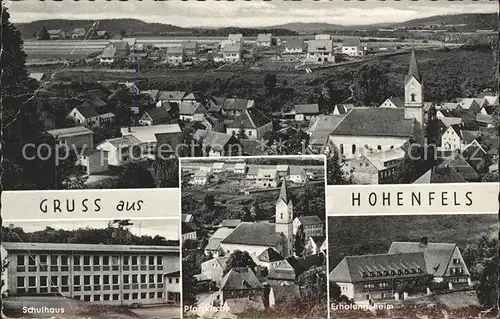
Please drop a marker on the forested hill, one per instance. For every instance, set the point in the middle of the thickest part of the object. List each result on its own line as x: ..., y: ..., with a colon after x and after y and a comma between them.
x: 133, y: 27
x: 115, y: 234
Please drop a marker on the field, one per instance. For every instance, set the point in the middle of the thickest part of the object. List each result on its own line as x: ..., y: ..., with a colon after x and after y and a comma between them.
x: 371, y: 235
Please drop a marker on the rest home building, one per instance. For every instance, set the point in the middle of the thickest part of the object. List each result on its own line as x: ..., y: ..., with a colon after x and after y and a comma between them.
x: 125, y: 275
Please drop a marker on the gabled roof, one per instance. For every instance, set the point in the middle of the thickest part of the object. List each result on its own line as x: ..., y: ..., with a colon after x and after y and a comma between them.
x: 171, y: 95
x: 87, y: 111
x: 240, y: 166
x: 283, y: 271
x: 213, y: 244
x: 70, y: 131
x: 397, y: 101
x: 267, y: 173
x: 54, y: 32
x: 456, y: 129
x: 37, y: 76
x: 324, y: 124
x: 189, y: 45
x: 467, y: 103
x: 237, y: 104
x: 250, y: 118
x: 307, y: 109
x: 351, y: 42
x: 320, y: 46
x: 201, y: 173
x: 484, y: 118
x: 269, y: 255
x: 492, y: 99
x: 93, y: 100
x: 175, y: 50
x: 148, y: 133
x: 284, y: 193
x: 449, y: 121
x: 157, y: 114
x: 300, y: 265
x: 124, y: 141
x: 413, y: 69
x: 221, y: 233
x: 241, y: 278
x: 460, y: 165
x: 190, y: 108
x: 440, y: 175
x: 371, y: 121
x: 437, y: 255
x: 353, y: 269
x: 218, y: 165
x: 232, y: 48
x: 212, y: 138
x: 469, y: 136
x: 310, y: 220
x: 221, y: 261
x: 264, y: 37
x: 318, y: 240
x: 108, y: 52
x: 295, y: 44
x: 80, y: 31
x: 258, y: 233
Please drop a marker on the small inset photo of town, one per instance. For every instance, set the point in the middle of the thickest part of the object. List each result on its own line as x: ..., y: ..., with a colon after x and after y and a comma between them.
x: 413, y: 266
x: 122, y: 269
x: 253, y: 237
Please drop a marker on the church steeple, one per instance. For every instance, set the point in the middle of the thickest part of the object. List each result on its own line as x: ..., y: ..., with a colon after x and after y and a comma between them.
x: 284, y: 195
x: 413, y: 69
x: 284, y: 219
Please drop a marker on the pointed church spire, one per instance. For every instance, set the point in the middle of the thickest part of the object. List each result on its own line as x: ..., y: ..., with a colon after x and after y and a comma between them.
x: 413, y: 70
x: 284, y: 195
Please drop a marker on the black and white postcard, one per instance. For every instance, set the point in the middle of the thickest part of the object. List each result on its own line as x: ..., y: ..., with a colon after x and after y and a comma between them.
x: 254, y: 236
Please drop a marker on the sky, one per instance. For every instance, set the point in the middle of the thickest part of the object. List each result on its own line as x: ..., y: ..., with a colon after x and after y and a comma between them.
x: 255, y: 13
x: 166, y: 228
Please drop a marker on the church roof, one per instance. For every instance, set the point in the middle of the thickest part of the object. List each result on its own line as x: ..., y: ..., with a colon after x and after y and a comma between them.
x: 284, y: 194
x: 258, y: 234
x: 413, y: 70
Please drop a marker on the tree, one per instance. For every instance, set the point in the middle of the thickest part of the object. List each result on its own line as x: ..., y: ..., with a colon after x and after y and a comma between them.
x: 487, y: 263
x: 335, y: 175
x: 433, y: 133
x: 242, y: 135
x: 335, y: 291
x: 77, y: 182
x: 247, y: 216
x: 209, y: 201
x: 257, y: 212
x: 270, y: 81
x: 5, y: 264
x: 166, y: 172
x: 43, y: 34
x: 299, y: 241
x: 239, y: 259
x: 491, y: 177
x: 371, y: 84
x: 135, y: 175
x: 313, y: 284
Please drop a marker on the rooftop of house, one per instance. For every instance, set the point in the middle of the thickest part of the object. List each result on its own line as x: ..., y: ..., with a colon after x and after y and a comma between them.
x: 318, y: 240
x: 458, y: 163
x: 37, y: 76
x: 80, y: 31
x: 351, y: 42
x: 314, y: 46
x: 449, y: 121
x: 54, y: 32
x: 324, y: 123
x: 216, y: 140
x: 124, y: 141
x: 87, y: 111
x: 241, y: 278
x: 258, y: 233
x: 232, y: 48
x: 146, y: 134
x: 237, y: 104
x: 282, y: 271
x: 201, y: 173
x: 267, y: 173
x: 31, y: 247
x: 235, y: 36
x: 242, y: 305
x: 440, y: 175
x: 467, y: 103
x: 157, y: 114
x: 221, y: 233
x: 484, y: 118
x: 300, y: 265
x: 397, y: 101
x: 190, y: 45
x: 310, y: 220
x: 191, y: 108
x: 240, y: 165
x: 307, y: 108
x: 250, y: 119
x: 369, y: 121
x: 437, y: 255
x: 175, y: 50
x: 295, y: 43
x: 365, y: 268
x: 70, y: 131
x: 269, y: 255
x: 108, y: 53
x: 187, y: 218
x: 171, y: 95
x: 264, y: 37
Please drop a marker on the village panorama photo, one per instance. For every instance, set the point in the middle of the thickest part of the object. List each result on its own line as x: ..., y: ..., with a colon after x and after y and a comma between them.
x: 109, y: 95
x: 253, y: 237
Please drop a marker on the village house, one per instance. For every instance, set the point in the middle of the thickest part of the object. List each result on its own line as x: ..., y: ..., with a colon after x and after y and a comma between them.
x: 236, y: 38
x: 469, y: 104
x: 154, y: 117
x: 311, y: 225
x: 102, y: 34
x: 120, y: 150
x: 240, y: 283
x: 232, y: 53
x: 188, y: 232
x: 457, y: 163
x: 269, y: 258
x: 485, y: 120
x: 39, y: 76
x: 320, y: 51
x: 218, y: 167
x: 170, y: 100
x: 294, y: 45
x: 190, y: 48
x: 213, y: 247
x: 267, y: 177
x: 282, y: 274
x: 216, y: 144
x: 306, y: 112
x: 173, y: 288
x: 297, y: 175
x: 175, y: 55
x: 283, y: 170
x: 365, y: 129
x: 92, y: 161
x: 94, y: 273
x: 234, y: 107
x: 78, y: 33
x: 240, y: 168
x: 451, y: 139
x: 191, y: 111
x: 353, y: 47
x: 201, y: 177
x: 253, y: 122
x: 88, y: 116
x: 214, y: 268
x: 56, y: 34
x: 264, y: 39
x: 450, y: 121
x: 322, y: 37
x: 393, y: 102
x: 436, y: 175
x: 287, y: 294
x: 319, y: 132
x: 78, y: 137
x: 315, y: 245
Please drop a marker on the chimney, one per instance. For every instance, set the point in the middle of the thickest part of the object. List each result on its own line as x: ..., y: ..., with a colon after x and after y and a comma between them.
x: 423, y: 242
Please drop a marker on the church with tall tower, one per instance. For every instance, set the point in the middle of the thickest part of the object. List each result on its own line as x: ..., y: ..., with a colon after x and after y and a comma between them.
x: 284, y: 219
x: 414, y: 92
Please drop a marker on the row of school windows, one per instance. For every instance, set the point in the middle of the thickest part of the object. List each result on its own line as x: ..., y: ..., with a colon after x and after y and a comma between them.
x: 46, y: 281
x: 87, y: 260
x: 116, y: 297
x: 354, y: 148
